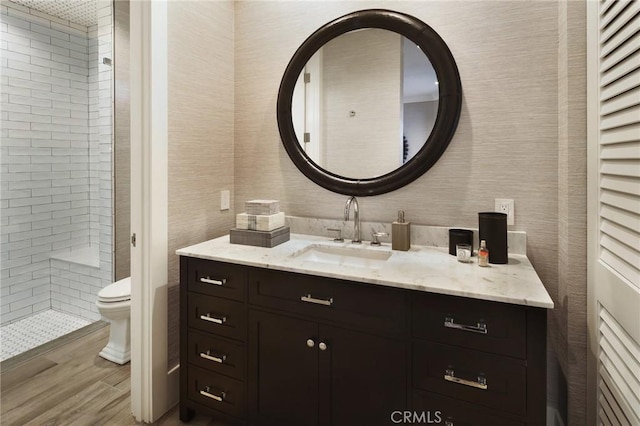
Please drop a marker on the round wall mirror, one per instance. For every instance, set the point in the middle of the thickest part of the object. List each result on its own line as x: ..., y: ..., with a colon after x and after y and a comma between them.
x: 369, y: 102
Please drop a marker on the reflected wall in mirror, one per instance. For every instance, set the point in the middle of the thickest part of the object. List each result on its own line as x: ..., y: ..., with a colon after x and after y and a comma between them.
x: 369, y: 102
x: 368, y: 94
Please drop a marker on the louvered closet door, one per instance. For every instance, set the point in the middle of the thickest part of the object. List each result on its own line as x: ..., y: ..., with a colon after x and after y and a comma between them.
x: 613, y: 40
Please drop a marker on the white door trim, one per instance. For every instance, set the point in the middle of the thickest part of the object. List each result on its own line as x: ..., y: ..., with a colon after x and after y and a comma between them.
x: 153, y: 389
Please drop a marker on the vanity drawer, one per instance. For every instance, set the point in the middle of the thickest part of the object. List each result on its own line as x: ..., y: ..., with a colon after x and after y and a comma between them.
x: 216, y: 391
x: 216, y: 354
x: 216, y: 315
x: 477, y: 324
x: 459, y: 373
x: 362, y: 305
x: 217, y: 279
x: 458, y: 413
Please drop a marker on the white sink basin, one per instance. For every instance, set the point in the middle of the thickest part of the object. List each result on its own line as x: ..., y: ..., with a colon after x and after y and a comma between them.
x: 357, y: 256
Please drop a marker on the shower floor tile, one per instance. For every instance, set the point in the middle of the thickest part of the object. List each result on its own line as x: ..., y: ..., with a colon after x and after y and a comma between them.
x: 36, y: 330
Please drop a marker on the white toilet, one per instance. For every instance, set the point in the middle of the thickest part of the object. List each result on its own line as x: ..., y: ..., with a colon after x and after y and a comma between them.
x: 114, y: 304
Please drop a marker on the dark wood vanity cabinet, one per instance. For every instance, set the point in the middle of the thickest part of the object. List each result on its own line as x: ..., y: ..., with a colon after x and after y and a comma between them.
x: 309, y: 373
x: 268, y: 347
x: 334, y: 351
x: 213, y: 334
x: 478, y: 362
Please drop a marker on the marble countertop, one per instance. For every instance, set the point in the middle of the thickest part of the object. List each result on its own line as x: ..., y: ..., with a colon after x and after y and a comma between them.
x: 422, y: 268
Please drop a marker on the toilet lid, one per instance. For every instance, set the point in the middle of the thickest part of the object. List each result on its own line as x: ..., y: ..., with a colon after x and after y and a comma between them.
x: 116, y: 292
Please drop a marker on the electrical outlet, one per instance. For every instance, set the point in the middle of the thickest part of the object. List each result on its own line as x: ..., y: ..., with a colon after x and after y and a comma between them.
x: 224, y: 199
x: 504, y: 205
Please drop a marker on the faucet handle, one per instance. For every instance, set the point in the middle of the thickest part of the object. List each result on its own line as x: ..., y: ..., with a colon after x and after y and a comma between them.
x: 339, y: 239
x: 375, y: 236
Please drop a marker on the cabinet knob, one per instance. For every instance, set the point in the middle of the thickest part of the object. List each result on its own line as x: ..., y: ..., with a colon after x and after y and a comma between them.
x: 322, y: 346
x: 310, y: 343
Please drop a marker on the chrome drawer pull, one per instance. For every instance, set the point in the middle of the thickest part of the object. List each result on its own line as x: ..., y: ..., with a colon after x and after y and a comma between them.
x: 207, y: 392
x: 209, y: 318
x: 450, y: 376
x: 481, y: 327
x: 207, y: 355
x: 212, y: 281
x: 310, y: 299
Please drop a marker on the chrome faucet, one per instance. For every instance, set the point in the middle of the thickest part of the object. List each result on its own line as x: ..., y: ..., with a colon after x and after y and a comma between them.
x: 356, y: 218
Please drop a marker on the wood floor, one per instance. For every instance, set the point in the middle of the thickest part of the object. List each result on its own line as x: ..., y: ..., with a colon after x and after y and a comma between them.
x: 71, y: 385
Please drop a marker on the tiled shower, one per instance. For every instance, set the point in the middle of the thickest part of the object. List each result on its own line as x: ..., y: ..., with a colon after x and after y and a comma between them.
x: 56, y: 208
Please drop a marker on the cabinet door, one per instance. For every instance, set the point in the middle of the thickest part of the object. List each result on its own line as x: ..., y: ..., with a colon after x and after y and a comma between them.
x: 363, y: 378
x: 283, y: 369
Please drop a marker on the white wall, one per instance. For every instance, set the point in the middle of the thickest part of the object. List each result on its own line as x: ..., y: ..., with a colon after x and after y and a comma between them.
x: 418, y: 120
x: 101, y: 146
x: 367, y: 81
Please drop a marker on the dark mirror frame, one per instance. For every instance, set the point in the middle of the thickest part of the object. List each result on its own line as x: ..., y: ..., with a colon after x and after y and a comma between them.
x: 449, y: 102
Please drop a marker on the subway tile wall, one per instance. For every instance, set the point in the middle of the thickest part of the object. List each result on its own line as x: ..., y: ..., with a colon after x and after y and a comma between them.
x: 74, y: 289
x: 102, y: 137
x: 55, y: 154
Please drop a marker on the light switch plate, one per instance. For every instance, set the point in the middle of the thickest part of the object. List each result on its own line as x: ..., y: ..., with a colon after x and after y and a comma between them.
x: 505, y: 205
x: 224, y: 199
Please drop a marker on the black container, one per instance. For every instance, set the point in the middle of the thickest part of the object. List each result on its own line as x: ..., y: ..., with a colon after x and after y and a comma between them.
x: 493, y: 229
x: 459, y: 236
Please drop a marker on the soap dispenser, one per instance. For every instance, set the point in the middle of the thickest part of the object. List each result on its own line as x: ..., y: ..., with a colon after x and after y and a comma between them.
x: 400, y: 233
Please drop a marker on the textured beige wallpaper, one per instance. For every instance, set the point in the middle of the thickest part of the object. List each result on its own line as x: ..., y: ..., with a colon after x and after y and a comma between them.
x: 570, y: 315
x: 201, y: 152
x: 521, y: 135
x: 506, y: 145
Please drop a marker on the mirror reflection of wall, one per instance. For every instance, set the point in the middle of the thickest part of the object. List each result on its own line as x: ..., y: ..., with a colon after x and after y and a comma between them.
x: 361, y: 83
x: 419, y: 118
x: 365, y: 103
x: 419, y: 98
